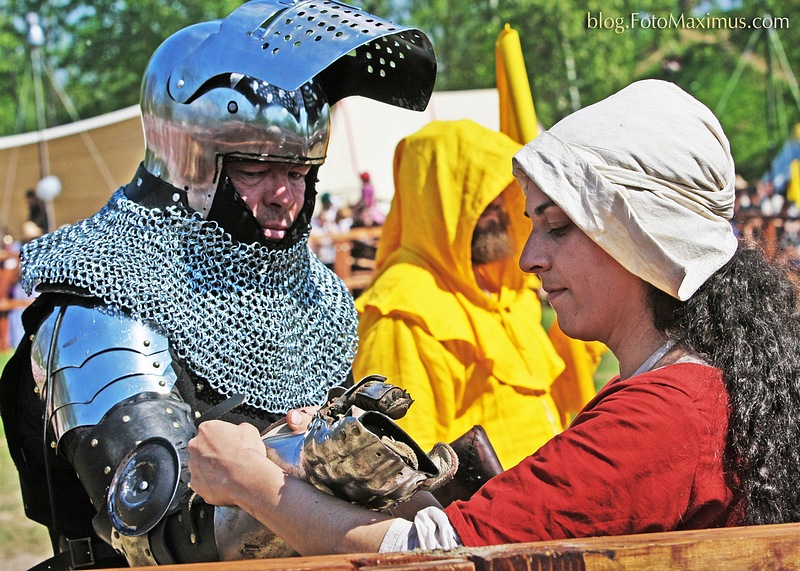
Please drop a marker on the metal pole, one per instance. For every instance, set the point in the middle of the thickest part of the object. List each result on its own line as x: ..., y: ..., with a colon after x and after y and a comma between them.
x: 36, y: 41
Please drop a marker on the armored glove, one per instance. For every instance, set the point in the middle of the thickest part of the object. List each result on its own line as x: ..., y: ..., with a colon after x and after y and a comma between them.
x: 366, y: 459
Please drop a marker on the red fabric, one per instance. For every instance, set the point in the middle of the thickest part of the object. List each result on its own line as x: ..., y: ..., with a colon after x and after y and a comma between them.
x: 644, y: 455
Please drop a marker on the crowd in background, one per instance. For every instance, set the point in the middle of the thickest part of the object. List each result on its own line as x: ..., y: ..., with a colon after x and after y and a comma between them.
x: 334, y: 220
x: 762, y: 216
x: 767, y: 218
x: 13, y: 299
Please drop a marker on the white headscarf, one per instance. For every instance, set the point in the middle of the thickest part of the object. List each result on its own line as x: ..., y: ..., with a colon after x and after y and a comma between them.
x: 648, y: 175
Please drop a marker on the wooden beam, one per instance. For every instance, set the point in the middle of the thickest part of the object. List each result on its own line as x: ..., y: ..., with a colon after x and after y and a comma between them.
x: 767, y: 547
x: 737, y: 548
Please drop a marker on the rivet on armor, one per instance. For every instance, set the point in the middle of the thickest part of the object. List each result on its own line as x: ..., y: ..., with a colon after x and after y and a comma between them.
x: 200, y: 387
x: 94, y: 443
x: 107, y: 470
x: 162, y: 383
x: 180, y: 83
x: 169, y: 410
x: 32, y: 337
x: 36, y: 390
x: 156, y: 364
x: 176, y: 197
x: 138, y: 182
x: 126, y: 418
x: 233, y: 107
x: 147, y: 342
x: 197, y: 414
x: 193, y: 538
x: 176, y: 424
x: 52, y: 444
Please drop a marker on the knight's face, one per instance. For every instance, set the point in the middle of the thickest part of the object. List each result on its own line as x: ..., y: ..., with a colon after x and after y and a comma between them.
x: 274, y: 192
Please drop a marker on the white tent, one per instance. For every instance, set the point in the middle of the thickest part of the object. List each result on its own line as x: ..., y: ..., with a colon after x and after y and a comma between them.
x: 364, y: 134
x: 95, y: 156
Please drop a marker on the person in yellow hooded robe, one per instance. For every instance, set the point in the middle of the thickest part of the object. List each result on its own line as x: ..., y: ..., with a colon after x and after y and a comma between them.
x: 449, y: 316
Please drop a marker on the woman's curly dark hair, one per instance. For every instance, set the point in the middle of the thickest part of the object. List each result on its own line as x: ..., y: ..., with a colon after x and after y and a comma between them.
x: 744, y: 320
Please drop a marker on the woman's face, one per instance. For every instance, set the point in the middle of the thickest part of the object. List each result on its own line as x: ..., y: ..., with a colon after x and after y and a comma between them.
x: 594, y: 297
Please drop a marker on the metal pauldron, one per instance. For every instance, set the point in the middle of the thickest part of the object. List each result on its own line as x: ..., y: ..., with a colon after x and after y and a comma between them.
x: 86, y: 360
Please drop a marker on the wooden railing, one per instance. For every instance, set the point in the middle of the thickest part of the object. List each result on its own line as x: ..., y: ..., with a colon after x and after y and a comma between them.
x: 358, y: 271
x: 773, y: 547
x: 355, y: 271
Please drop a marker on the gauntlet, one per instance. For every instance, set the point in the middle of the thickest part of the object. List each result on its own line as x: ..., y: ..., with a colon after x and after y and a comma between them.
x: 365, y: 459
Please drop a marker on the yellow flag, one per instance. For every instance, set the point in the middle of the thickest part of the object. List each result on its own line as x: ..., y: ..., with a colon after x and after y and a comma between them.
x: 575, y: 386
x: 793, y: 192
x: 517, y: 113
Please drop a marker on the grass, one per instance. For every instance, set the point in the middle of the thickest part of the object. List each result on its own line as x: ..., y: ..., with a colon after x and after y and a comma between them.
x: 23, y: 543
x: 606, y: 370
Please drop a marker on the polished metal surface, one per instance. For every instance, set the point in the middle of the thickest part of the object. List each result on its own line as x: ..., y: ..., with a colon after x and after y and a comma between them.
x: 86, y: 360
x: 258, y: 84
x: 367, y: 460
x: 231, y: 115
x: 288, y: 43
x: 143, y: 487
x: 239, y: 535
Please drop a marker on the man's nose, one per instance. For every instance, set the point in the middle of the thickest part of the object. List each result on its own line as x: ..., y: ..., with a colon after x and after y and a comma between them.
x: 275, y: 190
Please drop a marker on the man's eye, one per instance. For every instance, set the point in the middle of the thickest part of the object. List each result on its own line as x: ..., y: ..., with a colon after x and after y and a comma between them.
x: 245, y: 174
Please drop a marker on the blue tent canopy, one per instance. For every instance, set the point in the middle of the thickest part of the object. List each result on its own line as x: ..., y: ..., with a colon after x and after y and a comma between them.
x: 779, y: 173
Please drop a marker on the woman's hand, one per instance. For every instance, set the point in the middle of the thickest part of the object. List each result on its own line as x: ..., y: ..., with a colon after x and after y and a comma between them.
x: 221, y: 456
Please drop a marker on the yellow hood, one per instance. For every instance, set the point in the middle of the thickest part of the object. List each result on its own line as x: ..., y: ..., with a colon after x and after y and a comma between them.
x: 445, y: 176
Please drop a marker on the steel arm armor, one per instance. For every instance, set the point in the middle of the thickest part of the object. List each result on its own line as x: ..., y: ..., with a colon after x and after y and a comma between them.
x: 108, y: 384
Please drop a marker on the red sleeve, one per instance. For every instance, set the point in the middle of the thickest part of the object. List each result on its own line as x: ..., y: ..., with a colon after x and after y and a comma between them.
x: 645, y: 455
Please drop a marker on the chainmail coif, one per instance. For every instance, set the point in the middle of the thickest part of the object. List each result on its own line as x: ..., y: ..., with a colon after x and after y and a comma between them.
x: 275, y: 325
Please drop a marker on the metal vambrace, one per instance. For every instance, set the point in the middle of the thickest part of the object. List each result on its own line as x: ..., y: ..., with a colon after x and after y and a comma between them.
x: 112, y: 410
x: 367, y: 460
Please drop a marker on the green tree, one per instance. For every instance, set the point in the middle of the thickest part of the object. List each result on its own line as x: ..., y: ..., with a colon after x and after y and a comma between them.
x: 99, y: 48
x: 96, y: 50
x: 736, y: 71
x: 557, y: 37
x: 554, y: 36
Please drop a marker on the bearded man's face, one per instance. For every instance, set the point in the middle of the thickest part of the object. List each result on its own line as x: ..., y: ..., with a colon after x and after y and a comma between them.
x: 491, y: 241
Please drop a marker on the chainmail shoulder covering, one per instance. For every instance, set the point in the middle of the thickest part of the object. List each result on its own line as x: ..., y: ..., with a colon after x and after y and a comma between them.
x: 275, y: 325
